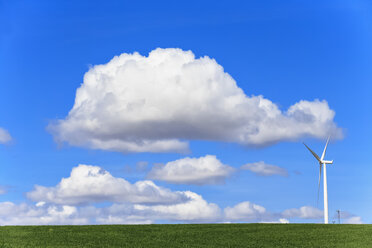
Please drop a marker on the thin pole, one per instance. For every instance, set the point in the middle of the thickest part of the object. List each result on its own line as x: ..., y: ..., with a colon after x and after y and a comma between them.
x: 325, y: 194
x: 339, y: 216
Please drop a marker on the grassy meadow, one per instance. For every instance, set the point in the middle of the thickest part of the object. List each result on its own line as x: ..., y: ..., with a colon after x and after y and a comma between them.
x: 188, y: 235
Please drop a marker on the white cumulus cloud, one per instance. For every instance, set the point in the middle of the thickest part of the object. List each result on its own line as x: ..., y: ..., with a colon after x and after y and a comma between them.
x: 25, y: 214
x: 156, y: 103
x: 195, y: 210
x: 305, y: 212
x: 4, y: 136
x: 199, y: 171
x: 263, y: 169
x: 245, y: 211
x: 89, y: 184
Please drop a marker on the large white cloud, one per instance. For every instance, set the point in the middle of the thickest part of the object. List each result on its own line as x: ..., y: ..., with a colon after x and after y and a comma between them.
x: 263, y: 169
x: 203, y: 170
x: 4, y: 136
x: 89, y: 184
x: 156, y: 103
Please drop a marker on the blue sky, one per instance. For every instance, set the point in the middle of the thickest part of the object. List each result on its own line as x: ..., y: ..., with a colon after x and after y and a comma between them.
x: 286, y: 51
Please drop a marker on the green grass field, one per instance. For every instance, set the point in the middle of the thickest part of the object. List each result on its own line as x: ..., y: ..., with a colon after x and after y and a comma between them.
x: 202, y: 235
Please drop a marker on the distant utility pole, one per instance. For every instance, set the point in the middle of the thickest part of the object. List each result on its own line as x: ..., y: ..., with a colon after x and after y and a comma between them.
x: 339, y: 216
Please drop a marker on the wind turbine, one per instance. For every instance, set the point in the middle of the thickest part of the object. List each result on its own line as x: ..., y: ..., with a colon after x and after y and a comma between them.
x: 323, y: 163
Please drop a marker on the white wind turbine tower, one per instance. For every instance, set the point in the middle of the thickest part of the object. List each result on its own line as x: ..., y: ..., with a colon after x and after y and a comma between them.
x: 323, y: 163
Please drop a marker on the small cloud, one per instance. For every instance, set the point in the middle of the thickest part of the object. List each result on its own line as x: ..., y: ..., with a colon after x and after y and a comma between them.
x: 199, y: 171
x: 127, y: 169
x: 4, y: 136
x: 245, y: 211
x: 141, y: 166
x: 263, y: 169
x: 195, y: 210
x: 353, y: 220
x: 348, y: 218
x: 305, y: 212
x: 40, y: 204
x: 281, y: 220
x: 297, y: 172
x: 3, y: 190
x: 284, y: 221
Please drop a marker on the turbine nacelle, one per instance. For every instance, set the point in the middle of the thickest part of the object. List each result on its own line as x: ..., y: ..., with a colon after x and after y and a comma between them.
x: 326, y: 162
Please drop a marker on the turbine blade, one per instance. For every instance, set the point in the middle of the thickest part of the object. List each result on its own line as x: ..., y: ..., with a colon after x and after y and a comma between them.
x: 315, y: 155
x: 325, y: 149
x: 320, y: 174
